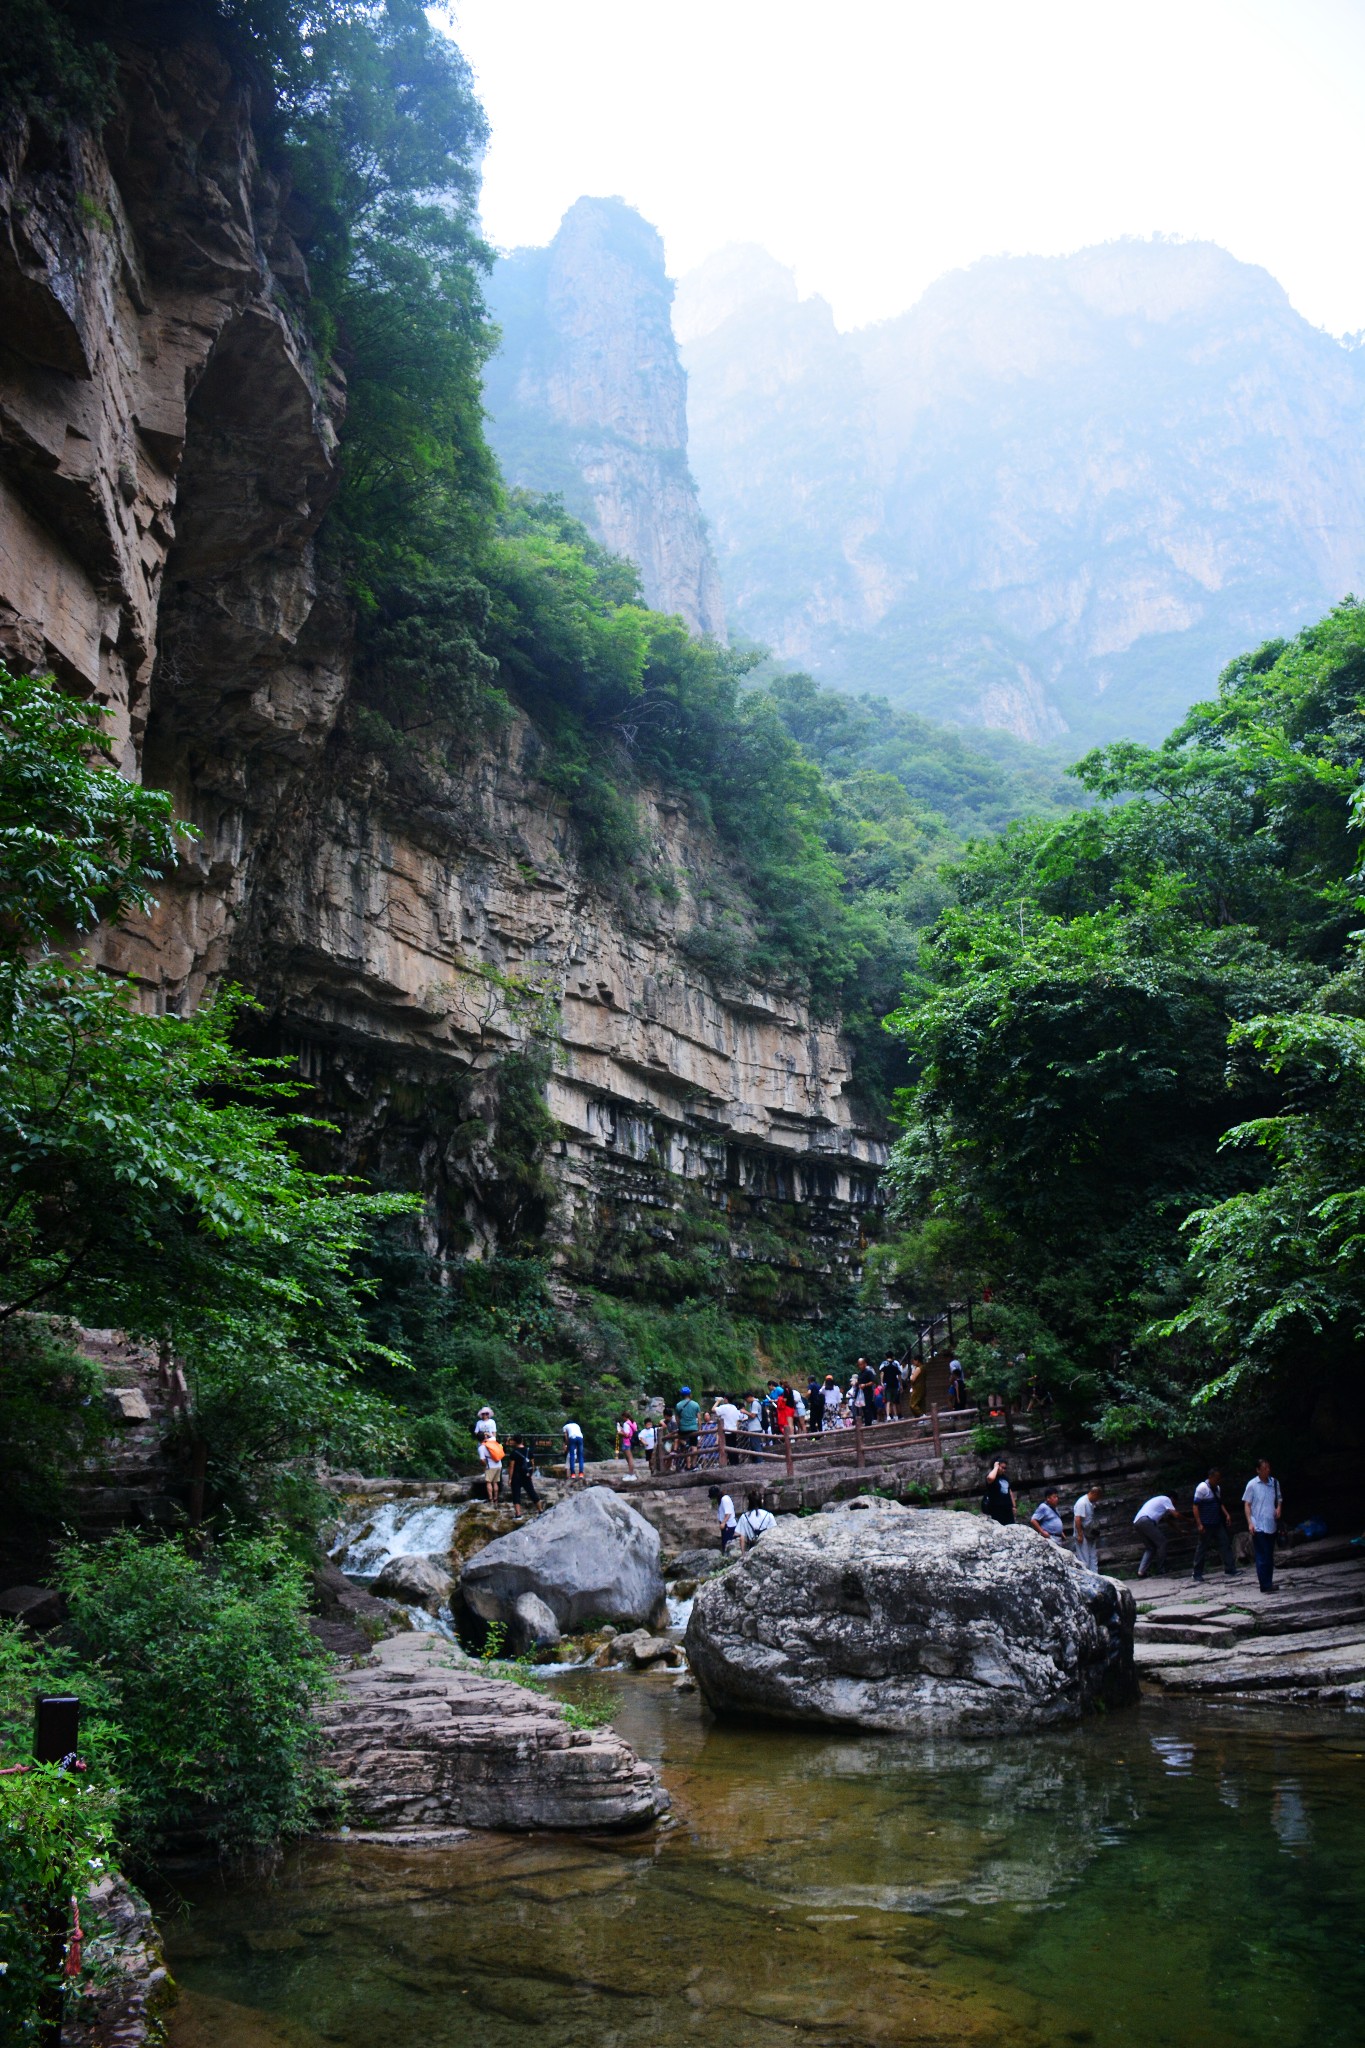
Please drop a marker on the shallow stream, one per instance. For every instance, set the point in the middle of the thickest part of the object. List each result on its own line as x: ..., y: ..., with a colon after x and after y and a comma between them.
x: 1167, y: 1876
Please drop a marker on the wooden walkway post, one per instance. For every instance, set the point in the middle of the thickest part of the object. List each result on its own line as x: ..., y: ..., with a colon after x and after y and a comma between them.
x: 787, y: 1447
x: 938, y: 1440
x: 859, y: 1456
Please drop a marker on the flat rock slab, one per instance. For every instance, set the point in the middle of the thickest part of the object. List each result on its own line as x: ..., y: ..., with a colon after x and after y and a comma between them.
x: 1304, y: 1642
x: 420, y: 1738
x: 880, y: 1616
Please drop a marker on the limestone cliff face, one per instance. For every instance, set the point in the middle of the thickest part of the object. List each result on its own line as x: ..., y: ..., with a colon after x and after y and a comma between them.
x: 166, y: 455
x: 1056, y: 495
x: 587, y: 397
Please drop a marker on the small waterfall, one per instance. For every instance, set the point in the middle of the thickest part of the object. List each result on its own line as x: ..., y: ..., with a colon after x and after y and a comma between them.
x: 370, y: 1536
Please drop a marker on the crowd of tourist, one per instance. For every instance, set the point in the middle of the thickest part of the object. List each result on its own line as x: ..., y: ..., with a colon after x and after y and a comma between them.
x: 1262, y: 1507
x: 691, y: 1432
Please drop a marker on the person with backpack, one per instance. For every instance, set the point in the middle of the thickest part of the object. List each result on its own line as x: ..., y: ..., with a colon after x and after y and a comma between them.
x: 1214, y: 1525
x: 521, y: 1465
x: 626, y: 1433
x: 491, y: 1455
x: 725, y: 1517
x: 1264, y: 1505
x: 815, y: 1402
x: 892, y: 1383
x: 754, y: 1523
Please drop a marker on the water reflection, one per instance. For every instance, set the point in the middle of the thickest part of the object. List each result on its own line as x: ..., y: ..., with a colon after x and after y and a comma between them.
x: 1124, y: 1883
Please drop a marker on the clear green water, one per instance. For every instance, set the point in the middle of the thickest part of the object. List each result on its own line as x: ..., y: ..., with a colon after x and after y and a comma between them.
x: 1165, y: 1877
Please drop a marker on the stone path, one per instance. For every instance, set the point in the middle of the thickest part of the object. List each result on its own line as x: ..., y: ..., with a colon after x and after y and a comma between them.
x: 421, y: 1737
x: 1304, y: 1642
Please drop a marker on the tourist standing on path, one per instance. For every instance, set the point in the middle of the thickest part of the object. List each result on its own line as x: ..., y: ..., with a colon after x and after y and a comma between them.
x: 754, y: 1523
x: 1150, y: 1522
x: 626, y: 1433
x: 725, y: 1516
x: 485, y: 1426
x: 997, y: 1501
x: 649, y: 1437
x: 815, y: 1402
x: 1046, y: 1517
x: 892, y: 1382
x: 1083, y: 1519
x: 522, y: 1465
x: 917, y: 1387
x: 1214, y: 1524
x: 834, y: 1401
x: 689, y: 1426
x: 573, y: 1450
x: 1264, y: 1504
x: 867, y: 1381
x: 957, y: 1384
x: 490, y: 1457
x: 731, y: 1421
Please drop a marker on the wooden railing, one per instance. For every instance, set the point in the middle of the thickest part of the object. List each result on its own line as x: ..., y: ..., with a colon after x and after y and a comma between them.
x: 813, y: 1447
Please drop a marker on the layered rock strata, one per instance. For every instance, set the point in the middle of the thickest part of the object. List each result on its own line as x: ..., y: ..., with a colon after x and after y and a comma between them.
x: 166, y: 456
x: 419, y: 1738
x: 880, y: 1616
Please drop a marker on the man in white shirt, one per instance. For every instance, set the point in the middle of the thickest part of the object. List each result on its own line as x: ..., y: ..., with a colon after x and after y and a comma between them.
x: 573, y: 1449
x: 731, y: 1420
x: 1150, y: 1522
x: 725, y: 1516
x: 1264, y: 1504
x: 1083, y: 1519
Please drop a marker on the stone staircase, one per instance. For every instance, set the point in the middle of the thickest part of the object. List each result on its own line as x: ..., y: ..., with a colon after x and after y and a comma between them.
x: 136, y: 1480
x: 1305, y: 1641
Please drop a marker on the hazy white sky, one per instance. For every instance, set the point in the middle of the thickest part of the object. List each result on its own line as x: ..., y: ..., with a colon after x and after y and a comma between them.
x: 874, y: 145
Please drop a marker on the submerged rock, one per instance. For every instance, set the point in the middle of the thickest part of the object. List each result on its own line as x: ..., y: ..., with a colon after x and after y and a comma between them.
x: 881, y: 1616
x: 420, y: 1737
x: 590, y: 1558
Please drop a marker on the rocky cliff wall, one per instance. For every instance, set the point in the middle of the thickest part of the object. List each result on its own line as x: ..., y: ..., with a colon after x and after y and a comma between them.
x: 167, y: 454
x: 587, y: 397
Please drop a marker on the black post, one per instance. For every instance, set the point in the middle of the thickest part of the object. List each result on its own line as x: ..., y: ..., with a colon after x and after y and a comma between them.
x: 56, y: 1732
x: 56, y: 1729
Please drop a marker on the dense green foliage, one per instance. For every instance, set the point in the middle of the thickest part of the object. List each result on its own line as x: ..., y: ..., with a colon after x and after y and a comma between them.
x: 1135, y: 1014
x: 214, y: 1677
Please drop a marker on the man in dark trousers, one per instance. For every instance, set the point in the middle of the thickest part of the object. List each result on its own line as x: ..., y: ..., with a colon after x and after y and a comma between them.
x: 998, y: 1501
x: 1214, y: 1525
x: 522, y: 1465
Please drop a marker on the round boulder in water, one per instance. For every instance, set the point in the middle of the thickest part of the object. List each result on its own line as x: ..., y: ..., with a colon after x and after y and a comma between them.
x: 417, y: 1582
x: 880, y: 1616
x: 591, y: 1558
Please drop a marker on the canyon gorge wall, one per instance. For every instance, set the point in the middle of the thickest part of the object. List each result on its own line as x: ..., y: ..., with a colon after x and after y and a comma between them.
x: 587, y: 398
x: 423, y: 944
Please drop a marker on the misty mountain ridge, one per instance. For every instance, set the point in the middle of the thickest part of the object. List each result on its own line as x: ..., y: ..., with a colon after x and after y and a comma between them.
x: 1053, y: 497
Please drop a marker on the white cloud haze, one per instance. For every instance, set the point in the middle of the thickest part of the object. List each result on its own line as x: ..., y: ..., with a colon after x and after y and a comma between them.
x: 874, y: 146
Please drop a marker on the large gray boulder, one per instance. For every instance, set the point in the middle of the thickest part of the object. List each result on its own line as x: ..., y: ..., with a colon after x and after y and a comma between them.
x: 881, y: 1616
x: 417, y: 1582
x: 592, y: 1558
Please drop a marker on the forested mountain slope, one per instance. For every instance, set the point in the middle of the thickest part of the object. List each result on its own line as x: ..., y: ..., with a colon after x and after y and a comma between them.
x: 1046, y: 497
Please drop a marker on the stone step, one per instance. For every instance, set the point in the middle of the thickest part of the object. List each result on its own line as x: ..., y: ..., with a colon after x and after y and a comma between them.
x: 1212, y: 1635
